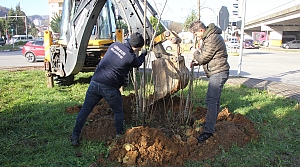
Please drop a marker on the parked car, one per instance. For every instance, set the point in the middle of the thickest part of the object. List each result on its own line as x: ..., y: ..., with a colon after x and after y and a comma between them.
x: 34, y: 51
x: 294, y: 44
x: 2, y: 42
x: 233, y: 44
x: 249, y: 44
x: 288, y: 38
x: 256, y: 44
x: 283, y: 44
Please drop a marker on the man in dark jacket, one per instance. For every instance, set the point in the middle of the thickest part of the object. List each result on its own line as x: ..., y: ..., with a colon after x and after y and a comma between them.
x: 213, y: 58
x: 109, y: 76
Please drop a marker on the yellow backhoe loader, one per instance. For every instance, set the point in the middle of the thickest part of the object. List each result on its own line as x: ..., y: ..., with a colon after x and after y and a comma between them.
x: 88, y: 27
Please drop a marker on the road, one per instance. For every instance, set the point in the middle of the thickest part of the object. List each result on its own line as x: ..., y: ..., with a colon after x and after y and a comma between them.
x: 271, y: 66
x: 256, y: 63
x: 263, y: 64
x: 13, y: 59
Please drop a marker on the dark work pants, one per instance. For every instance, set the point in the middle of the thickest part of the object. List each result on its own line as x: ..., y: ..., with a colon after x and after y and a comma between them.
x: 94, y: 94
x: 213, y: 95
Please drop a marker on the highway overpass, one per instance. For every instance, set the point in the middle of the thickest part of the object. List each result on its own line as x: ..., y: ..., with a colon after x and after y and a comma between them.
x: 278, y: 23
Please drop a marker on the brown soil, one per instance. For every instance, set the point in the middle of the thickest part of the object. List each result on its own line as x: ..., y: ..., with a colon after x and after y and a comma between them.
x: 24, y: 68
x: 163, y: 140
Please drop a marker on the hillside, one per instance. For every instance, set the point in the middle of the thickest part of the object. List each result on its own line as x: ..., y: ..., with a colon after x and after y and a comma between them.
x: 4, y: 11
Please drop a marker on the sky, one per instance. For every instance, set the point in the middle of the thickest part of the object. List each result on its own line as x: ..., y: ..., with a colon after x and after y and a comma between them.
x: 178, y: 10
x: 30, y: 7
x: 175, y: 10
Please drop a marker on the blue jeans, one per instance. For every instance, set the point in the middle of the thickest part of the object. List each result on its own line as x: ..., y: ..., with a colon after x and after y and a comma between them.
x: 94, y: 94
x: 213, y: 95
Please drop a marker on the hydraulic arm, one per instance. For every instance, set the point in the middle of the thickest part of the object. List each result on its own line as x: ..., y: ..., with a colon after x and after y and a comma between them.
x: 88, y: 27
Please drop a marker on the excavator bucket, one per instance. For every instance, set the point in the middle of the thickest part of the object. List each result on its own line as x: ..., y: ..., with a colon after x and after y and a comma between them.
x: 169, y: 76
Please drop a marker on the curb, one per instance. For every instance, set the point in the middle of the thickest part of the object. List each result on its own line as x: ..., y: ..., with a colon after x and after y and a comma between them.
x: 232, y: 54
x: 279, y: 49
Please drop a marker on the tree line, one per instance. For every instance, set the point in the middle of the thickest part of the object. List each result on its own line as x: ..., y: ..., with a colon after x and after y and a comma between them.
x: 15, y: 23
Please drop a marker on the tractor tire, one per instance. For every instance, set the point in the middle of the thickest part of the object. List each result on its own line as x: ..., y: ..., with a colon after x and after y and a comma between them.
x: 64, y: 81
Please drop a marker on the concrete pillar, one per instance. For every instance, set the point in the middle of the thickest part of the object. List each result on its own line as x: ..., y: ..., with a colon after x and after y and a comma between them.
x: 275, y: 38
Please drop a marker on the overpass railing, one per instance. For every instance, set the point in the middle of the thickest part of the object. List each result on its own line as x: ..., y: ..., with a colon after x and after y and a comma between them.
x: 274, y: 10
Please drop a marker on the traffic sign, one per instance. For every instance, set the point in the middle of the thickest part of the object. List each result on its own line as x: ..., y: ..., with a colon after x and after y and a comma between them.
x: 223, y: 18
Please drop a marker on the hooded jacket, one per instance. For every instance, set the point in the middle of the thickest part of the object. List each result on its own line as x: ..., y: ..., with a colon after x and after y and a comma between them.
x: 213, y: 54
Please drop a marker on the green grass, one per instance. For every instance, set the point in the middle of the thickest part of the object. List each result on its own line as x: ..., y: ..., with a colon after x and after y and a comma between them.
x: 35, y: 130
x: 10, y: 47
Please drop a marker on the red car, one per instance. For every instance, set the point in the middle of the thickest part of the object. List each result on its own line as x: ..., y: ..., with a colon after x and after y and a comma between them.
x: 34, y: 51
x: 249, y: 44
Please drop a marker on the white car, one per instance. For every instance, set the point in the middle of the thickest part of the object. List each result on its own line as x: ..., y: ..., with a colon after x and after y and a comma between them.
x: 233, y: 44
x: 295, y: 44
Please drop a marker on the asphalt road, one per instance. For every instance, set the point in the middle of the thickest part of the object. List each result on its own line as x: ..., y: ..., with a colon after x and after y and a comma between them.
x: 262, y: 64
x: 256, y: 63
x: 267, y: 65
x: 14, y: 59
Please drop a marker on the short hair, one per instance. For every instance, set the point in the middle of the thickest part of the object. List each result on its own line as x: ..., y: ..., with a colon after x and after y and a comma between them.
x: 196, y: 26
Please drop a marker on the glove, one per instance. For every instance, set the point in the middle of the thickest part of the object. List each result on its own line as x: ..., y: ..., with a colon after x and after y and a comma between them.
x: 144, y: 51
x: 197, y: 56
x: 193, y: 63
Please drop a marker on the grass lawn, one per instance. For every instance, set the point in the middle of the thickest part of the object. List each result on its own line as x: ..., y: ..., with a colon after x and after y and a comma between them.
x: 35, y: 129
x: 10, y: 47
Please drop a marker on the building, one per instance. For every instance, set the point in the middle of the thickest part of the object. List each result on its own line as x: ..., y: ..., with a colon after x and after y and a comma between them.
x: 55, y: 7
x: 37, y: 22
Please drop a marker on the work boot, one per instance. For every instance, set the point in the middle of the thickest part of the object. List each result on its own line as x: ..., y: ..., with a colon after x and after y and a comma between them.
x: 204, y: 136
x: 74, y: 140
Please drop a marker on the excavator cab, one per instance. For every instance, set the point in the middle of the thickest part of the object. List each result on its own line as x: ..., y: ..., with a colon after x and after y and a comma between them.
x: 89, y: 27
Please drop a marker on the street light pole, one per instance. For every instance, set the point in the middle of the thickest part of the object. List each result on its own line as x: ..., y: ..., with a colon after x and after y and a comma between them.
x: 198, y: 10
x: 26, y: 30
x: 242, y: 37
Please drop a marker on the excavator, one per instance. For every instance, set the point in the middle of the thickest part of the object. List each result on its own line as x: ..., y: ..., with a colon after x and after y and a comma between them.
x: 89, y: 27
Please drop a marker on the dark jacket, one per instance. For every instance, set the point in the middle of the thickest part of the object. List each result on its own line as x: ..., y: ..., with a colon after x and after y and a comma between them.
x: 116, y: 63
x: 213, y: 54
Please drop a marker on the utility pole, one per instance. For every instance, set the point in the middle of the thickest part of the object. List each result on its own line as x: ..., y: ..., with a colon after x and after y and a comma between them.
x: 198, y: 10
x: 242, y: 36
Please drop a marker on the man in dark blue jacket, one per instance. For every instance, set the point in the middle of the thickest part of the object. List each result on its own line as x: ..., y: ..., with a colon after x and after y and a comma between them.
x: 108, y: 78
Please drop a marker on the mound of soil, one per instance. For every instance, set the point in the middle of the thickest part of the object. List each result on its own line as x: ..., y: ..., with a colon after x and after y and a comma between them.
x: 162, y: 140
